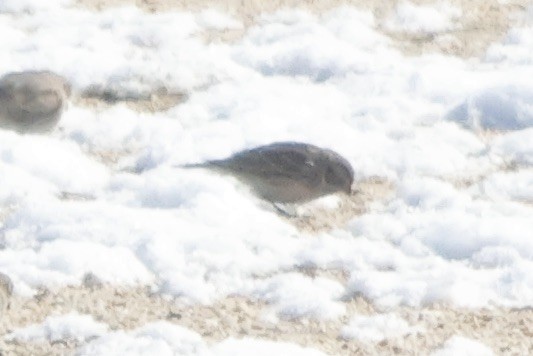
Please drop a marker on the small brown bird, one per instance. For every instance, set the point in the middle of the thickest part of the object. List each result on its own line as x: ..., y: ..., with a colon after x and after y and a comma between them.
x: 287, y: 172
x: 6, y: 289
x: 32, y: 101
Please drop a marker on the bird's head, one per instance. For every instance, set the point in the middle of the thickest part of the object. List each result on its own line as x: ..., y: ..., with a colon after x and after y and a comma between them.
x: 339, y: 174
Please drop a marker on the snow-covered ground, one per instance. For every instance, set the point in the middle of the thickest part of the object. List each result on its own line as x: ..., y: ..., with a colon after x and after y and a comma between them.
x: 453, y: 136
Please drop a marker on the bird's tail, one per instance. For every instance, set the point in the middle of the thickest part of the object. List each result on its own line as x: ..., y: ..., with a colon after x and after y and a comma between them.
x: 215, y: 164
x: 192, y: 165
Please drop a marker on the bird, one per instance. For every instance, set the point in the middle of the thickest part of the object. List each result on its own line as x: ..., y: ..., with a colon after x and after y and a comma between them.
x: 287, y: 172
x: 6, y: 290
x: 32, y: 101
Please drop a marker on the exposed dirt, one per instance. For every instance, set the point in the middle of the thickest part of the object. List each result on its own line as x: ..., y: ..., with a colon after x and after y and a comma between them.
x: 365, y: 192
x: 506, y: 331
x: 482, y: 21
x: 156, y: 102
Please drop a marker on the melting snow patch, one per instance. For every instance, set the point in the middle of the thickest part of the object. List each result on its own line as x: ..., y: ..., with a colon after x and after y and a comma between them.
x: 501, y: 108
x: 297, y: 296
x: 71, y: 326
x: 215, y: 20
x: 31, y: 6
x: 376, y: 327
x: 249, y: 346
x: 462, y: 346
x: 517, y: 186
x: 515, y: 147
x: 158, y: 338
x: 413, y: 18
x: 163, y: 338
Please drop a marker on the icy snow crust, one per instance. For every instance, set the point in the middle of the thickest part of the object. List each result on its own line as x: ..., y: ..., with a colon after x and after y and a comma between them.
x: 55, y: 328
x: 458, y: 228
x: 376, y: 328
x: 161, y: 338
x: 462, y: 346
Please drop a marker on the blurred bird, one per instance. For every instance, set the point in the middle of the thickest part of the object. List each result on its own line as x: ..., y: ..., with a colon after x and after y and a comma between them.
x: 287, y: 172
x: 6, y: 289
x: 32, y: 101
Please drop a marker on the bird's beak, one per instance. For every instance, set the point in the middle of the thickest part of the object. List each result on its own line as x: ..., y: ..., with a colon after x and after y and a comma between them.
x: 349, y: 190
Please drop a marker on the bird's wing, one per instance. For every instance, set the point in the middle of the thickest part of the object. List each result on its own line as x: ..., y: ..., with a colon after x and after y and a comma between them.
x: 6, y: 91
x: 28, y: 97
x: 287, y: 161
x: 27, y: 103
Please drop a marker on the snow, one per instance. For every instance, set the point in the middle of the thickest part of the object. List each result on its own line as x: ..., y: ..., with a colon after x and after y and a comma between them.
x: 432, y: 18
x: 72, y: 326
x: 515, y: 147
x: 376, y: 327
x: 161, y: 338
x: 462, y: 346
x: 215, y: 20
x: 505, y: 107
x: 30, y: 6
x: 103, y: 195
x: 164, y: 338
x: 247, y: 346
x: 509, y: 185
x: 315, y: 298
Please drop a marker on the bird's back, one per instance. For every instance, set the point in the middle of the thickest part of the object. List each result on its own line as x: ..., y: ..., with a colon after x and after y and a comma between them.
x: 32, y: 101
x: 284, y: 172
x: 280, y: 172
x: 286, y: 159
